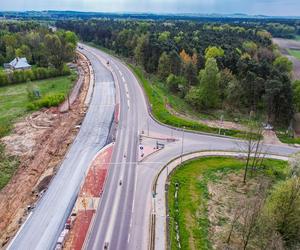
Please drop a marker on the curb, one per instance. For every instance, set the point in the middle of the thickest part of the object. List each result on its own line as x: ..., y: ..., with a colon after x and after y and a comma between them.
x: 235, y: 154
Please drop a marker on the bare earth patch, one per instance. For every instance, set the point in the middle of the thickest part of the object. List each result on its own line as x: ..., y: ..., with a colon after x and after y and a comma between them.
x: 210, y: 123
x: 40, y: 140
x: 270, y: 137
x: 226, y: 195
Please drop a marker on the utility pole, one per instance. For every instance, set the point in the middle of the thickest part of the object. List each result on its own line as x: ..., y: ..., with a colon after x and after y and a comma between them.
x: 182, y: 144
x: 221, y: 125
x: 69, y: 106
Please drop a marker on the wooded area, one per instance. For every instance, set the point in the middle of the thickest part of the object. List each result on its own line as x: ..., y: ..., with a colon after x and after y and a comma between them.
x: 43, y: 48
x: 211, y: 66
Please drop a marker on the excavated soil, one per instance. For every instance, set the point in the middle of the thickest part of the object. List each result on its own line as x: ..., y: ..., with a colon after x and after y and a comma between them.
x: 40, y: 140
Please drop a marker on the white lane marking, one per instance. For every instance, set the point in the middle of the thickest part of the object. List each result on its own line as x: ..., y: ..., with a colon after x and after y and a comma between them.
x: 134, y: 191
x: 128, y: 103
x: 116, y: 203
x: 126, y: 88
x: 128, y: 238
x: 123, y: 79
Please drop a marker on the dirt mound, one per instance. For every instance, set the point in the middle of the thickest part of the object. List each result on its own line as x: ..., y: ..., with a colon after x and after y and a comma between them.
x: 26, y: 133
x: 40, y: 140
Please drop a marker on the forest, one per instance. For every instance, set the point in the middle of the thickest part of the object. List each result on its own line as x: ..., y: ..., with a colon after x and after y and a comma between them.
x: 211, y: 66
x: 45, y: 49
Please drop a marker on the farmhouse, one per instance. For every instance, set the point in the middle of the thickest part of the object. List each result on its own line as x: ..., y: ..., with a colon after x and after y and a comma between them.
x: 17, y: 64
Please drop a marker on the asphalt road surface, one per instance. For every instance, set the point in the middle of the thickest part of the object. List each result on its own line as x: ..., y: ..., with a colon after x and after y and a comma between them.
x: 44, y: 225
x: 122, y: 218
x: 123, y: 214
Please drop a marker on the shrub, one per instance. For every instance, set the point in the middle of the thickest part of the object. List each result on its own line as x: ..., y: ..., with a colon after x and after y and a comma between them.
x: 48, y: 101
x: 36, y: 73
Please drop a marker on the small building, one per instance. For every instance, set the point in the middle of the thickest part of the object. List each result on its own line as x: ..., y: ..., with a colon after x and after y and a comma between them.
x: 18, y: 64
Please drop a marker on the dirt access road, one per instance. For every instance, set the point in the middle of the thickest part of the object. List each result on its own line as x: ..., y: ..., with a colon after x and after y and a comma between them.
x: 286, y: 44
x: 40, y: 140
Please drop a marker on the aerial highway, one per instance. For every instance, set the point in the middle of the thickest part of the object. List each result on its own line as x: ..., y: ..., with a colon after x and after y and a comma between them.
x: 122, y: 218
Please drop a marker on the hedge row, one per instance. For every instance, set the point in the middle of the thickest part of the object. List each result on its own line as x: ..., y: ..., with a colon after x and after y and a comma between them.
x: 33, y: 74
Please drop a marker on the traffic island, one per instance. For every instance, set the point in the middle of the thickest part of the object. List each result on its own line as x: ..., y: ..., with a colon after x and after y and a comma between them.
x: 87, y: 201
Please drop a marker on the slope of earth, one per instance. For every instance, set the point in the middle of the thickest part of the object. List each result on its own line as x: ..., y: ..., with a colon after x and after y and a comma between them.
x: 41, y: 141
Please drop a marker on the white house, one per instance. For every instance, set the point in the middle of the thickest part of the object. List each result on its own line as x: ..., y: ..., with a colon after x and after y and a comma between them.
x: 18, y: 64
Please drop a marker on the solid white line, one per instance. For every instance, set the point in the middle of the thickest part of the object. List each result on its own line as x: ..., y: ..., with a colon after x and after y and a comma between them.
x: 133, y: 202
x: 19, y: 231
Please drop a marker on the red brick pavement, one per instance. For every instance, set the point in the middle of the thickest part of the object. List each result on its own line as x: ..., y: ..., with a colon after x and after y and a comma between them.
x: 95, y: 179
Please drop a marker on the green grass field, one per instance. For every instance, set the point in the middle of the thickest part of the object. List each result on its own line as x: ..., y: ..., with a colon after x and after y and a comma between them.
x: 14, y: 99
x: 295, y: 53
x: 13, y: 106
x: 284, y: 138
x: 297, y: 38
x: 193, y: 196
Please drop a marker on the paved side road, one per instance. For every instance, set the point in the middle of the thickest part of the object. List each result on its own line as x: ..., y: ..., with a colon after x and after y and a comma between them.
x: 122, y: 218
x: 42, y: 228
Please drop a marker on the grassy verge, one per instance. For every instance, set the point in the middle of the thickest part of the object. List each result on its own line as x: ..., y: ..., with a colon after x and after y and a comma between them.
x: 158, y: 99
x: 297, y: 37
x: 15, y: 101
x: 295, y: 53
x: 159, y: 96
x: 285, y: 138
x: 193, y: 196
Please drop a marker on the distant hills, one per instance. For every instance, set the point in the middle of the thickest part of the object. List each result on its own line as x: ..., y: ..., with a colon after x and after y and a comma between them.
x: 50, y: 14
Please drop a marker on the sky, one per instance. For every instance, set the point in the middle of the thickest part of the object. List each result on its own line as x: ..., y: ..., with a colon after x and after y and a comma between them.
x: 253, y: 7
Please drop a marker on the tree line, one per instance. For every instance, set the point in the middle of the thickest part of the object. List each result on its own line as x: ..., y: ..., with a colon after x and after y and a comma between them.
x: 46, y: 50
x: 211, y: 66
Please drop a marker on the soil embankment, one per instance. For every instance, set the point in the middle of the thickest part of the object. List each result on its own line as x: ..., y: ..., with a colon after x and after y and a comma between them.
x: 40, y: 140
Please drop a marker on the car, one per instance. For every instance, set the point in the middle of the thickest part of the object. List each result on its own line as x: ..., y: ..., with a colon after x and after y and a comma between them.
x: 268, y: 126
x: 106, y: 244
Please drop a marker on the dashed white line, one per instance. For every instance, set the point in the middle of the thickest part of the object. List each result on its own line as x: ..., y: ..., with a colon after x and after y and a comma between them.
x: 128, y: 238
x: 126, y: 88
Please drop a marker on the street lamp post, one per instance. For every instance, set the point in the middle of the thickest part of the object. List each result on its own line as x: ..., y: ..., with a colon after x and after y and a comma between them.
x: 182, y: 144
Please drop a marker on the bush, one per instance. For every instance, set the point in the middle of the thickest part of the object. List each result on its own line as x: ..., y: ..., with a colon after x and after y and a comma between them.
x: 36, y: 73
x: 48, y: 101
x: 159, y: 111
x: 282, y: 211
